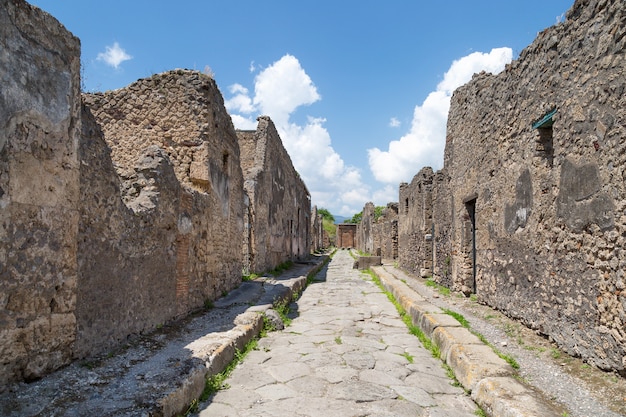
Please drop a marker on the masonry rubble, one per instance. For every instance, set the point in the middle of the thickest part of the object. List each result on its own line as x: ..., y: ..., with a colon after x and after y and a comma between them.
x: 120, y: 211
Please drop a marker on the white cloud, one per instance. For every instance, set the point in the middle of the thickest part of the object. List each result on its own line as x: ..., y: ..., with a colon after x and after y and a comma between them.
x: 283, y: 87
x: 243, y: 123
x: 423, y: 145
x: 240, y: 102
x: 114, y: 55
x: 279, y: 91
x: 394, y: 122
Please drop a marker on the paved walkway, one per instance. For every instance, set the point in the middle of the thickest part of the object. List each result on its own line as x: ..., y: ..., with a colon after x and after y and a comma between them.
x: 346, y: 353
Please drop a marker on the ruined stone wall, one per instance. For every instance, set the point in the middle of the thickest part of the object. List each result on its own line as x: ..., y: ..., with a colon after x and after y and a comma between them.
x: 39, y: 193
x: 280, y: 204
x: 317, y: 231
x: 378, y: 236
x: 385, y: 233
x: 172, y: 241
x: 364, y: 237
x: 549, y: 203
x: 415, y: 222
x: 443, y: 224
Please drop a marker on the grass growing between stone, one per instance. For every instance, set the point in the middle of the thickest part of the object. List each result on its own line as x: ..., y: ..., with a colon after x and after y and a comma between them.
x: 459, y: 317
x: 217, y: 382
x: 406, y: 318
x: 445, y: 291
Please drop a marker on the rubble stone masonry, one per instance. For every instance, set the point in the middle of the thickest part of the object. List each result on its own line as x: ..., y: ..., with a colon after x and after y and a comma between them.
x: 170, y: 243
x: 378, y: 236
x: 317, y: 231
x: 279, y: 202
x: 122, y: 211
x: 39, y: 191
x: 529, y: 211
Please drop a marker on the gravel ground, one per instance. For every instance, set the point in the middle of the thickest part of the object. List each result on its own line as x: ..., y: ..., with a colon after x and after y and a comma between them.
x: 584, y: 390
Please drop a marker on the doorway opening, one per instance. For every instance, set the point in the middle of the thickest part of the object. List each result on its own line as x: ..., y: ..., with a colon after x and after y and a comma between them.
x: 469, y: 246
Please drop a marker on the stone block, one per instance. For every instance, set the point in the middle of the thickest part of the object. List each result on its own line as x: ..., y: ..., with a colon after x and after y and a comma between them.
x: 472, y: 363
x: 366, y: 262
x: 507, y: 397
x: 429, y: 322
x: 446, y: 337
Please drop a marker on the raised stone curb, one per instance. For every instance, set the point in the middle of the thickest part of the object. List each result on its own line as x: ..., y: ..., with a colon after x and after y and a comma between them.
x: 216, y: 355
x: 476, y: 366
x: 472, y: 363
x: 446, y: 337
x: 507, y: 397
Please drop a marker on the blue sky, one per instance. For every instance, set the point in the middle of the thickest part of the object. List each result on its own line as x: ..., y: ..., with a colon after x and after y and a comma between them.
x: 359, y: 90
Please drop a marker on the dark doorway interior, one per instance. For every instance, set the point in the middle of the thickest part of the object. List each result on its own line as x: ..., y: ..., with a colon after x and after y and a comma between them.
x: 470, y: 206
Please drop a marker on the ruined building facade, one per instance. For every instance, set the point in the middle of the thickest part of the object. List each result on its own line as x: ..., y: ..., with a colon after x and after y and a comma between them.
x: 378, y: 236
x: 279, y: 207
x: 167, y: 246
x: 319, y: 236
x: 120, y: 211
x: 39, y: 198
x: 528, y: 210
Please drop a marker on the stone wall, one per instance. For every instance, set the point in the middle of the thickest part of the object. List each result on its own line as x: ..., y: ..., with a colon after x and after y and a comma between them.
x: 529, y: 207
x: 415, y: 223
x: 378, y: 236
x: 124, y: 210
x: 279, y: 202
x: 364, y: 235
x: 385, y: 232
x: 317, y: 231
x: 169, y: 244
x: 39, y: 191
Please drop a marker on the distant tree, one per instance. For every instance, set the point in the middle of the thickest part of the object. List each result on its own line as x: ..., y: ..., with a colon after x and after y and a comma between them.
x: 355, y: 219
x: 378, y: 211
x: 325, y: 214
x: 328, y: 222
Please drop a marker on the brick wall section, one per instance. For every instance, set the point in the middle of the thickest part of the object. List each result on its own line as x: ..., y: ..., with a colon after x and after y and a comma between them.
x: 346, y: 235
x: 544, y: 208
x: 39, y: 130
x: 279, y: 202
